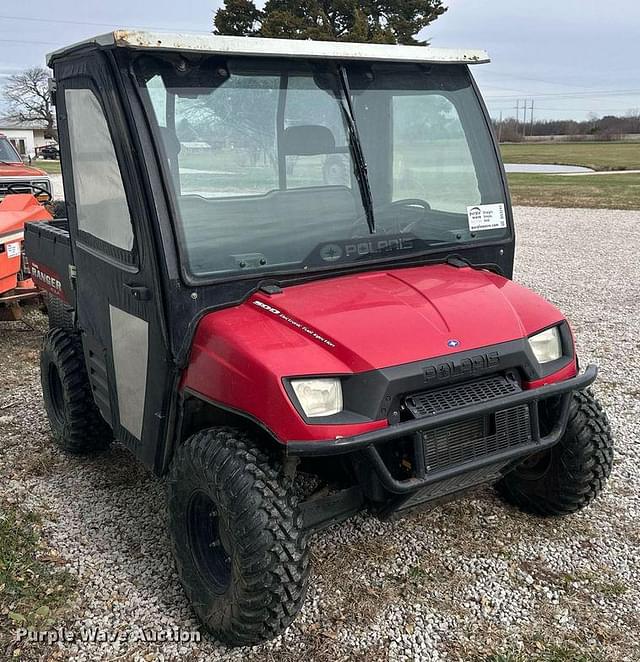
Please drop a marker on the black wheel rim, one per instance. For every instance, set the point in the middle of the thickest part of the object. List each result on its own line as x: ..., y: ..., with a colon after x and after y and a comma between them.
x: 207, y: 541
x: 56, y: 393
x: 534, y: 467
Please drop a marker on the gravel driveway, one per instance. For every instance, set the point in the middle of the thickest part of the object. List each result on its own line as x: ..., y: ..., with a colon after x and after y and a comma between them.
x: 464, y: 581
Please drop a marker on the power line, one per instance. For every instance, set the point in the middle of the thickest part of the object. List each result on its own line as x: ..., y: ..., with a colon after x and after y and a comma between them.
x: 89, y: 24
x: 571, y: 95
x: 22, y: 41
x: 528, y: 78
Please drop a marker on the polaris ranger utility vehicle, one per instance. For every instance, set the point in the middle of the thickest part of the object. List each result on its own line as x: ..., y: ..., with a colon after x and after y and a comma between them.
x: 290, y: 256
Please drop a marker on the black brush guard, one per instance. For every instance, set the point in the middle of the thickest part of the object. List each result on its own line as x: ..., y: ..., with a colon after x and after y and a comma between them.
x: 365, y: 444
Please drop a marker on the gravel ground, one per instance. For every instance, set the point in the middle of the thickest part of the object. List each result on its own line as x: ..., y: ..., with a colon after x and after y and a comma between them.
x: 463, y: 581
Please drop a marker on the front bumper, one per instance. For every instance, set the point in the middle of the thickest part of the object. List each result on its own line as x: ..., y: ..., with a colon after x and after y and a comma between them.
x: 365, y: 444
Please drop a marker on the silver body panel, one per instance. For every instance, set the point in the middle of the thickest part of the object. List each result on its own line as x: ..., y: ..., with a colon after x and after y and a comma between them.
x: 130, y: 347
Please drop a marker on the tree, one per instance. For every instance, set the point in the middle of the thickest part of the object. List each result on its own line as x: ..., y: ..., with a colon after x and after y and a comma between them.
x: 381, y: 21
x: 29, y: 100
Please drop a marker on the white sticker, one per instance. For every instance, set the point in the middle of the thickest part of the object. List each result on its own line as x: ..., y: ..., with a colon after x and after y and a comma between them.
x: 486, y: 217
x: 13, y: 250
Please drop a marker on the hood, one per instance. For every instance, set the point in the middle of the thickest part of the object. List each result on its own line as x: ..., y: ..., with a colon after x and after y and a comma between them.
x: 20, y: 170
x: 351, y: 324
x: 381, y: 319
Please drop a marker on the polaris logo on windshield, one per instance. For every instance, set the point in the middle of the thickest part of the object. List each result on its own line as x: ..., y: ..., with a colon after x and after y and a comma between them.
x: 363, y: 248
x: 465, y: 367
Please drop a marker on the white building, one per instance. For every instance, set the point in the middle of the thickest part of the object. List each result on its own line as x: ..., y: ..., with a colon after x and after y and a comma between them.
x: 26, y: 138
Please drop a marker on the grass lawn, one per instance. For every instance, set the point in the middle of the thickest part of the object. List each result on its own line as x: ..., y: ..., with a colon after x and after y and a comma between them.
x: 595, y: 191
x: 50, y: 167
x: 34, y: 590
x: 598, y: 156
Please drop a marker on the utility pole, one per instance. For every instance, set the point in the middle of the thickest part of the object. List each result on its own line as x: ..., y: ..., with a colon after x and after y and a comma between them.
x: 524, y: 120
x: 531, y: 132
x: 500, y: 129
x: 517, y: 115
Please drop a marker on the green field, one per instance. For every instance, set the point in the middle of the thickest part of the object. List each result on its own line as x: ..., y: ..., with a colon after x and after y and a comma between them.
x: 50, y: 167
x: 608, y: 191
x: 603, y: 191
x: 597, y: 156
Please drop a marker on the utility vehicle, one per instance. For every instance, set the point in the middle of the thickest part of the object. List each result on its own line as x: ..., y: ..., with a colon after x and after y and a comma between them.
x: 291, y: 258
x: 49, y: 152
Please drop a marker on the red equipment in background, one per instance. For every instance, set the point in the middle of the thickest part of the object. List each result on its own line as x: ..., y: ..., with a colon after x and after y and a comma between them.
x: 16, y: 285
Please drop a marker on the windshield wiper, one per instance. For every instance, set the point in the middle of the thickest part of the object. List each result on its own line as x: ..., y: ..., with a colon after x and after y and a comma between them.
x: 8, y: 163
x: 459, y: 262
x: 356, y: 149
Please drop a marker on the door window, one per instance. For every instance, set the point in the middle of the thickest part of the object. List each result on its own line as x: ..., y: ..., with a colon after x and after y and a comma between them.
x: 101, y: 203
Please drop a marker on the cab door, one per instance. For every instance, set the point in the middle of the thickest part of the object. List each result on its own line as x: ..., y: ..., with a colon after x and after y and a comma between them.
x: 119, y: 301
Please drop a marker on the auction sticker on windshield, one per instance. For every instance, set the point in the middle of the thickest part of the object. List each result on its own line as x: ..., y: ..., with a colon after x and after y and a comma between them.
x: 486, y: 217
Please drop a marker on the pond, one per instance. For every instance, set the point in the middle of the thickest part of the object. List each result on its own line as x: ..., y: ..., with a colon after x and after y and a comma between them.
x: 544, y: 168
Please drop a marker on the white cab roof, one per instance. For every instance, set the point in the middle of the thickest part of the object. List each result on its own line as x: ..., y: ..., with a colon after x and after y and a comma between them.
x: 288, y: 48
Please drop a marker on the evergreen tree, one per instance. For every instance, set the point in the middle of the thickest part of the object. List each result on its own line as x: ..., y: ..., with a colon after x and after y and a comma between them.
x: 379, y: 21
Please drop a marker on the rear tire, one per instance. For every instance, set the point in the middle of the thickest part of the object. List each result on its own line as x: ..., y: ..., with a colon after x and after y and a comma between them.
x: 60, y: 315
x: 571, y: 474
x: 240, y: 552
x: 76, y: 423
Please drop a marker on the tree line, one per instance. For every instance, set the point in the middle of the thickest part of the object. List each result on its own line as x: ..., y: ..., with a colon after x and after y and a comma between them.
x: 609, y: 127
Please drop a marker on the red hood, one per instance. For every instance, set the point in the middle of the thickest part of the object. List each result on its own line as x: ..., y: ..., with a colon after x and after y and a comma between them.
x: 380, y: 319
x: 353, y: 324
x: 20, y: 170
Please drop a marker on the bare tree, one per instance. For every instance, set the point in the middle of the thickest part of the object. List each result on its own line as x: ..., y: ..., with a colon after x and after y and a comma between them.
x: 28, y: 100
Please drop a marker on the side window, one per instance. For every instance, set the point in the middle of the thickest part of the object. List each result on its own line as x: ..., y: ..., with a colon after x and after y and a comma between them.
x: 431, y: 157
x: 101, y: 203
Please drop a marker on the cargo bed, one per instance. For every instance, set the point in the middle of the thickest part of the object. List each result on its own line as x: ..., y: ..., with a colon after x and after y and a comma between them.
x: 48, y: 249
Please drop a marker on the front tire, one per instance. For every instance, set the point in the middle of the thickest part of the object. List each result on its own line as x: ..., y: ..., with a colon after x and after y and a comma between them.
x: 76, y: 423
x: 571, y: 474
x: 240, y: 552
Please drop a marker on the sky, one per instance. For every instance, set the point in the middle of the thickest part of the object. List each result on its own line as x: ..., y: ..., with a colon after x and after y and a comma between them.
x: 572, y: 58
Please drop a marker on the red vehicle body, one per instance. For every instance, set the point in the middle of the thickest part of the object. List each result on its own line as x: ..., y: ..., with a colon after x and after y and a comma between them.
x: 290, y: 260
x: 355, y: 324
x: 15, y: 283
x: 14, y: 173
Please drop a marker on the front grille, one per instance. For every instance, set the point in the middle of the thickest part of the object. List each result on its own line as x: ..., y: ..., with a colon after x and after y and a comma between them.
x: 466, y: 441
x: 16, y: 187
x: 448, y: 398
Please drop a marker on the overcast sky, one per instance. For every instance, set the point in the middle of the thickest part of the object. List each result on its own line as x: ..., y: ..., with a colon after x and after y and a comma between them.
x: 572, y: 57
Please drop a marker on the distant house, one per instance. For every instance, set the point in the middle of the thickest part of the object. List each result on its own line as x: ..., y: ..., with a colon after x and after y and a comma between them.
x: 26, y: 138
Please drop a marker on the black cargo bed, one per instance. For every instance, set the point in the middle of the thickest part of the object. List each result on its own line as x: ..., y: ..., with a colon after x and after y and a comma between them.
x: 48, y: 249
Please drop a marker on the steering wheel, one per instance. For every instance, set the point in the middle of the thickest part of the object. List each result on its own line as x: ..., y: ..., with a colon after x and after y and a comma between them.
x: 414, y: 204
x: 34, y: 187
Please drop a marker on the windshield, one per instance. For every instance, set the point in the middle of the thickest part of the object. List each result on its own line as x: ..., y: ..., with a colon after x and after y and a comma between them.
x: 7, y: 153
x: 284, y: 166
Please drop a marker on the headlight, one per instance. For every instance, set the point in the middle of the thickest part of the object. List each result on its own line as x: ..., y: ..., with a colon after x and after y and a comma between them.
x: 546, y: 345
x: 318, y: 397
